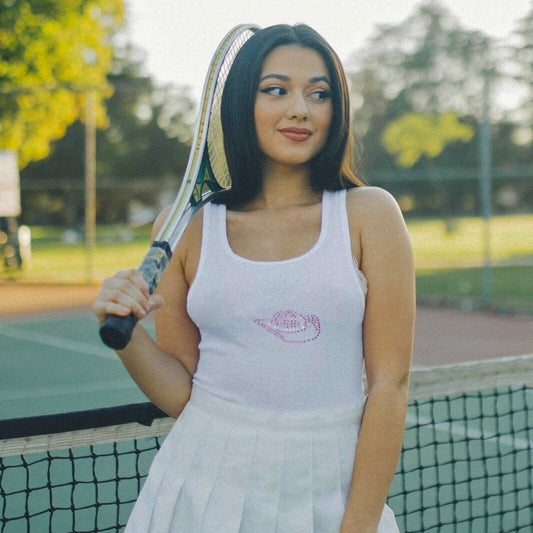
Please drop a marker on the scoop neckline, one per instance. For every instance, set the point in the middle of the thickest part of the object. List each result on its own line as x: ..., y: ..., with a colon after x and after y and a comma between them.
x: 306, y: 254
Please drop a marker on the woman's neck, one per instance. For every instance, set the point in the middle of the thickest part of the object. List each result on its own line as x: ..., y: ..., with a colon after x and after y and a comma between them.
x: 285, y: 187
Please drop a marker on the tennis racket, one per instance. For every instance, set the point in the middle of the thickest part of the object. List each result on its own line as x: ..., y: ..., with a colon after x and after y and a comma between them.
x: 206, y: 175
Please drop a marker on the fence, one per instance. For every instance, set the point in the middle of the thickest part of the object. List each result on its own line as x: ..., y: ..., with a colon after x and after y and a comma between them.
x: 462, y: 258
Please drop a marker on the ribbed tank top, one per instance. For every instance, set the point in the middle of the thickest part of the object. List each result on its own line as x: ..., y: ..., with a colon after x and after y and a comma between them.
x: 280, y: 335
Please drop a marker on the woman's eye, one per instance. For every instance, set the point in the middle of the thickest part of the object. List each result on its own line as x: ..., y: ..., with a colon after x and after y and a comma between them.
x: 319, y: 94
x: 274, y: 91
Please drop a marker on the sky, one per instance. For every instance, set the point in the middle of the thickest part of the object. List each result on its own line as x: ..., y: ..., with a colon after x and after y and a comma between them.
x: 179, y: 36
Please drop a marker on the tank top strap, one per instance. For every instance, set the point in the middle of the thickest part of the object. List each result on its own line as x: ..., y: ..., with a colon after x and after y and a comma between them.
x: 212, y: 218
x: 339, y: 240
x: 214, y: 228
x: 336, y: 222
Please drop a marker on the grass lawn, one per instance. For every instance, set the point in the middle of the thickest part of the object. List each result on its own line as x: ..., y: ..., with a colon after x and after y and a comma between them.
x: 56, y: 259
x: 511, y: 286
x: 511, y: 241
x: 448, y: 262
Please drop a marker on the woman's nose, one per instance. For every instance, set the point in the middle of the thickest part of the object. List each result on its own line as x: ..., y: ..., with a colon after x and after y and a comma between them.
x: 297, y: 107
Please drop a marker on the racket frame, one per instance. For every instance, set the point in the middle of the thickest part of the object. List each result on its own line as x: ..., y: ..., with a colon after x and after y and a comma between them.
x: 183, y: 209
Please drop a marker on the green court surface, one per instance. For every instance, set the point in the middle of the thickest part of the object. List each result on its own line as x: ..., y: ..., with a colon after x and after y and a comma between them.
x: 58, y: 364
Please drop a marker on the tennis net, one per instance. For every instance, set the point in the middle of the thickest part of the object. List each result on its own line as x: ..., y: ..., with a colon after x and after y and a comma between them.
x: 466, y: 466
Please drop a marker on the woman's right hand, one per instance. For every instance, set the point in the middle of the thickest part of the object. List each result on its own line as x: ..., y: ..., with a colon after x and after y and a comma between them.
x: 124, y: 293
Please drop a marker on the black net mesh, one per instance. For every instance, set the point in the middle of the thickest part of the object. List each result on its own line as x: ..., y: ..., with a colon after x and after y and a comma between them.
x: 467, y: 464
x: 85, y: 489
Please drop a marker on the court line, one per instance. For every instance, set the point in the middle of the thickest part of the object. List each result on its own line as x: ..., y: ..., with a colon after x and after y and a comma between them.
x: 43, y: 319
x: 458, y: 429
x: 57, y: 342
x: 60, y: 390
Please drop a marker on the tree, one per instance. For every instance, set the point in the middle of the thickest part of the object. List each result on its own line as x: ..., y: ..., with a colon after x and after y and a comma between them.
x: 51, y: 53
x: 147, y: 138
x: 148, y: 132
x: 427, y: 64
x: 429, y: 61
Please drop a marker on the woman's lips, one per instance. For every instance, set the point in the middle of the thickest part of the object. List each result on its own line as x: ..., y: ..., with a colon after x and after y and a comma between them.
x: 296, y: 134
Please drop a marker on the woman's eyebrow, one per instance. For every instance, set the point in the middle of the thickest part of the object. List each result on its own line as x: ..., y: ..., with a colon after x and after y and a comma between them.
x: 319, y: 78
x: 283, y: 77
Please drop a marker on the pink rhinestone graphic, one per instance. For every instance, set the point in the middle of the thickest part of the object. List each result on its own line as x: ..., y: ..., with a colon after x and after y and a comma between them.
x: 291, y: 327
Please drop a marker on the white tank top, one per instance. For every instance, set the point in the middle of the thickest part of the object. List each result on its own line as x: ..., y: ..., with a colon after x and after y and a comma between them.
x: 281, y: 335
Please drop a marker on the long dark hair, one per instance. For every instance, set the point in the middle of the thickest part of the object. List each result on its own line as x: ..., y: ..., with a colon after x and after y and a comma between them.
x: 333, y: 168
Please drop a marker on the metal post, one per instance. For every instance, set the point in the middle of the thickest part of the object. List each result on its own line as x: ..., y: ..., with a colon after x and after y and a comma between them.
x: 90, y: 183
x: 485, y: 187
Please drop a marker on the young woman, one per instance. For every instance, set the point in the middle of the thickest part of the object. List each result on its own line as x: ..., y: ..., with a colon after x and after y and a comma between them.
x: 276, y: 296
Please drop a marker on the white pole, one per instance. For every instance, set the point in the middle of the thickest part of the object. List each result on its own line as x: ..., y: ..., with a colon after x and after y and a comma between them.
x: 90, y: 183
x: 485, y: 187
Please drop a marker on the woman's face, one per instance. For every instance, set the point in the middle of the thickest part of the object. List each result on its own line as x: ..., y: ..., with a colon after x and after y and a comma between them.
x: 293, y: 106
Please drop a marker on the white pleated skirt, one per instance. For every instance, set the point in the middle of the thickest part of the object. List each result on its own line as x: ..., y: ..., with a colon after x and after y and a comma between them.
x: 228, y: 468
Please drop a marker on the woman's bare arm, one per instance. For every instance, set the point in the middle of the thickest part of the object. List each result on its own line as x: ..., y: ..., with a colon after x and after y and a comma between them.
x: 163, y: 371
x: 377, y: 225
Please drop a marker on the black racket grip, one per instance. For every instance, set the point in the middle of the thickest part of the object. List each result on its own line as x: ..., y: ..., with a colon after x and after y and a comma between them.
x: 116, y: 331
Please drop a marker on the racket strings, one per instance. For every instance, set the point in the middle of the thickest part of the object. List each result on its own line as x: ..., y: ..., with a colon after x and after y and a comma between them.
x: 215, y: 136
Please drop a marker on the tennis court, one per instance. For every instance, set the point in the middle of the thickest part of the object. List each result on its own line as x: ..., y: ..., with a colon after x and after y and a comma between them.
x: 468, y: 451
x: 56, y: 364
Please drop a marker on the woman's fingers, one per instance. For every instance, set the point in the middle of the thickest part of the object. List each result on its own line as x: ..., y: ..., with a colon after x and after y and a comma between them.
x: 155, y: 301
x: 128, y: 289
x: 124, y: 293
x: 126, y: 280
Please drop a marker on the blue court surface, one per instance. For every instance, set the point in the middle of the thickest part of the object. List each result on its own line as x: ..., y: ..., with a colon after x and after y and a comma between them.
x: 58, y: 364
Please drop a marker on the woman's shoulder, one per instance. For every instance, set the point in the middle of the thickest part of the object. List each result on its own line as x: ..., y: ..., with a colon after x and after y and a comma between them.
x: 371, y: 205
x: 375, y: 216
x: 193, y: 232
x: 159, y: 221
x: 369, y: 197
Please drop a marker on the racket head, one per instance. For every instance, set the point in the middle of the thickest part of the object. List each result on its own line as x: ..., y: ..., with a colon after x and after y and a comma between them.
x: 207, y: 169
x: 216, y: 154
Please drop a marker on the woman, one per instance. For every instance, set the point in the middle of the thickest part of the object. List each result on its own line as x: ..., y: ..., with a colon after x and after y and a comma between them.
x: 264, y: 319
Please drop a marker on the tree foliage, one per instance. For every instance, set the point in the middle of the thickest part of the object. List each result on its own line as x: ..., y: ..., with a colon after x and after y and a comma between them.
x: 148, y: 129
x: 51, y: 53
x: 414, y: 135
x: 150, y: 125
